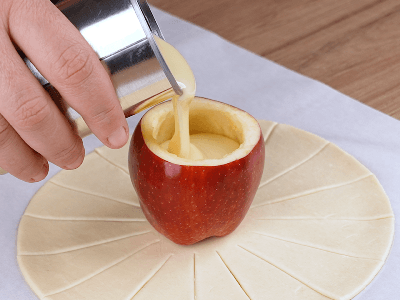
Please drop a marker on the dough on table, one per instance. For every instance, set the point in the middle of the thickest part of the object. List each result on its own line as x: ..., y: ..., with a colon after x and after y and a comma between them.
x: 320, y: 227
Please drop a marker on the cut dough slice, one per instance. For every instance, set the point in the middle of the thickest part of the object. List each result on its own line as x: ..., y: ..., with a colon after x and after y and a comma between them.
x: 42, y: 236
x: 61, y: 203
x: 115, y: 157
x: 320, y: 227
x: 98, y: 176
x: 280, y: 141
x: 359, y: 200
x: 217, y: 284
x: 366, y: 239
x: 87, y: 262
x: 326, y: 169
x: 315, y: 268
x: 123, y: 280
x: 178, y: 269
x: 275, y: 281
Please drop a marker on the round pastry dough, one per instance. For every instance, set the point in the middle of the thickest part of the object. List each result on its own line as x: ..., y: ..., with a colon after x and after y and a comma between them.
x: 320, y: 227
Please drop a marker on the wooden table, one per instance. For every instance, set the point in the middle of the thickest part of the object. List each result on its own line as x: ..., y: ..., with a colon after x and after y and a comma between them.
x: 351, y: 45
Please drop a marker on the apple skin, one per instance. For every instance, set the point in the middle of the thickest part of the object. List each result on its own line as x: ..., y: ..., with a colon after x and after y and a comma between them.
x: 190, y: 203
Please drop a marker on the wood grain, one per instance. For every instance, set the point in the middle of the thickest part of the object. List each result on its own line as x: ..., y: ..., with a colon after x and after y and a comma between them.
x: 351, y: 45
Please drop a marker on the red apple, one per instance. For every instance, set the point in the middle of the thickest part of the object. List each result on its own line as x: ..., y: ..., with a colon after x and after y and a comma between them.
x: 190, y: 200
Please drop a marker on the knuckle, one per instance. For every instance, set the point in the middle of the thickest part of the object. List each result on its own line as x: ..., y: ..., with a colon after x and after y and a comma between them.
x: 104, y: 116
x: 5, y: 132
x: 23, y: 167
x: 74, y: 65
x: 69, y: 154
x: 31, y: 111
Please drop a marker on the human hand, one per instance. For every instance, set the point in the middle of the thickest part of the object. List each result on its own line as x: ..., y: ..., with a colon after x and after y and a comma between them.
x: 33, y: 131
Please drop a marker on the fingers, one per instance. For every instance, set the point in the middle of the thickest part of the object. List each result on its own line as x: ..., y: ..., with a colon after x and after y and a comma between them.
x: 31, y: 122
x: 32, y: 129
x: 18, y: 158
x: 71, y: 65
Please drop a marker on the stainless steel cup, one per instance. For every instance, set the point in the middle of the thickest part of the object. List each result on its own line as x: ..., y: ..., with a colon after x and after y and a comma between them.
x: 121, y: 33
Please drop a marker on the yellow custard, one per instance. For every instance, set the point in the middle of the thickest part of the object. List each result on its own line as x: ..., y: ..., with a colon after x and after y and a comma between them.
x: 197, y: 146
x: 208, y: 146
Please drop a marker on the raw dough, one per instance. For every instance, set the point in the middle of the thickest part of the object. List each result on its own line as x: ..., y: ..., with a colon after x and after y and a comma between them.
x: 320, y: 227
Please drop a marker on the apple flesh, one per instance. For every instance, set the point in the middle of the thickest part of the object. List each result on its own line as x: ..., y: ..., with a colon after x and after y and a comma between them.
x: 190, y: 200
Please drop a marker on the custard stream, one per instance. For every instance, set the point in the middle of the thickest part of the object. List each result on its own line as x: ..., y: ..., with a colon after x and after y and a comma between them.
x: 197, y: 146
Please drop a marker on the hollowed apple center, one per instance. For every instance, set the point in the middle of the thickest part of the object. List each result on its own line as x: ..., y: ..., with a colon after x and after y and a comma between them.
x: 218, y: 133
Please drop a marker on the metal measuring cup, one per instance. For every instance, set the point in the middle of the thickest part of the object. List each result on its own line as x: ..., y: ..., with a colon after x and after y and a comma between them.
x: 121, y: 33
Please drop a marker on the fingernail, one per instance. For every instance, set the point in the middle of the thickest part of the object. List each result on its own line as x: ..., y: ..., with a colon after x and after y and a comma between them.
x: 42, y: 174
x: 118, y: 138
x: 75, y: 164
